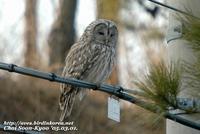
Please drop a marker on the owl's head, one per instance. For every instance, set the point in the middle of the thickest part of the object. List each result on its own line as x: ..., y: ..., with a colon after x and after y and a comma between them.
x: 102, y: 32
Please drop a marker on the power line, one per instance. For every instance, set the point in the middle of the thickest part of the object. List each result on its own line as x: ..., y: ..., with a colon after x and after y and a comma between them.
x: 173, y: 8
x: 114, y: 90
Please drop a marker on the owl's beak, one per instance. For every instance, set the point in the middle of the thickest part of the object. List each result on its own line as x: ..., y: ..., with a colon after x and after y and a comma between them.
x: 107, y: 40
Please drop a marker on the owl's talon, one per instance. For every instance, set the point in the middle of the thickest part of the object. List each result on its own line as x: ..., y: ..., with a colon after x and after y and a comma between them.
x: 98, y: 85
x: 119, y: 88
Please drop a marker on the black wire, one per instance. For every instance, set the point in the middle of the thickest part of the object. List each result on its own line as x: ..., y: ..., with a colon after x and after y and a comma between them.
x: 173, y: 8
x: 117, y: 91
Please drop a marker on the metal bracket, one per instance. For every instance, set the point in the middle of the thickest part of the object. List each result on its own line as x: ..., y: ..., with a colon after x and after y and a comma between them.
x: 189, y: 103
x: 174, y: 31
x: 53, y: 76
x: 11, y: 67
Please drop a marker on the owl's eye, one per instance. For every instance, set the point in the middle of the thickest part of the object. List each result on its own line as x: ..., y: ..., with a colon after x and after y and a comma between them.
x: 111, y: 35
x: 101, y: 33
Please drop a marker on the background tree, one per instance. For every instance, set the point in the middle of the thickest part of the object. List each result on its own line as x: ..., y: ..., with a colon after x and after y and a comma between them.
x: 30, y: 34
x: 108, y: 9
x: 39, y: 101
x: 62, y: 34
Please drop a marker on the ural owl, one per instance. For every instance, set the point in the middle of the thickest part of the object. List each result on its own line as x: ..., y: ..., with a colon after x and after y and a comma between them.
x: 90, y: 59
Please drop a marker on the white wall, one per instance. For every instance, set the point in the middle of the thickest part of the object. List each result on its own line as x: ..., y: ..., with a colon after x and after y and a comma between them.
x: 178, y: 49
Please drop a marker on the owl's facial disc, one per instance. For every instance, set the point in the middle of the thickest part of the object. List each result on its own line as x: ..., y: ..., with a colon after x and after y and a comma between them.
x: 105, y: 34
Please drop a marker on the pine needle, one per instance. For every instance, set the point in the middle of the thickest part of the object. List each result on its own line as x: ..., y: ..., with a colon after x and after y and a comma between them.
x: 161, y: 85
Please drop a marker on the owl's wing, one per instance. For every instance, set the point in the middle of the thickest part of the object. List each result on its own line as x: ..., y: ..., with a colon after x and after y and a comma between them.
x: 80, y: 58
x: 73, y: 65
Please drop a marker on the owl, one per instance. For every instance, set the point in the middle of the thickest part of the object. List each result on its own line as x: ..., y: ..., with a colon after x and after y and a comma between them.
x: 90, y: 59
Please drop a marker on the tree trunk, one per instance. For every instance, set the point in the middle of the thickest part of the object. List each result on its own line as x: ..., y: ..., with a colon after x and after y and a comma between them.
x: 62, y: 34
x: 30, y: 34
x: 108, y: 9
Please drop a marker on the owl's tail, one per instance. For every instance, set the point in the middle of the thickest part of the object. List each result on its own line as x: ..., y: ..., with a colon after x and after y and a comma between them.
x: 66, y: 103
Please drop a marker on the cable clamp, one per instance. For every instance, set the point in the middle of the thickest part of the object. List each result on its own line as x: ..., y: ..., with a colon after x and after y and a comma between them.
x: 53, y: 76
x: 11, y: 67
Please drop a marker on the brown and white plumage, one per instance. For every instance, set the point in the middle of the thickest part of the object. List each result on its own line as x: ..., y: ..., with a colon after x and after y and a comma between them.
x: 90, y: 59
